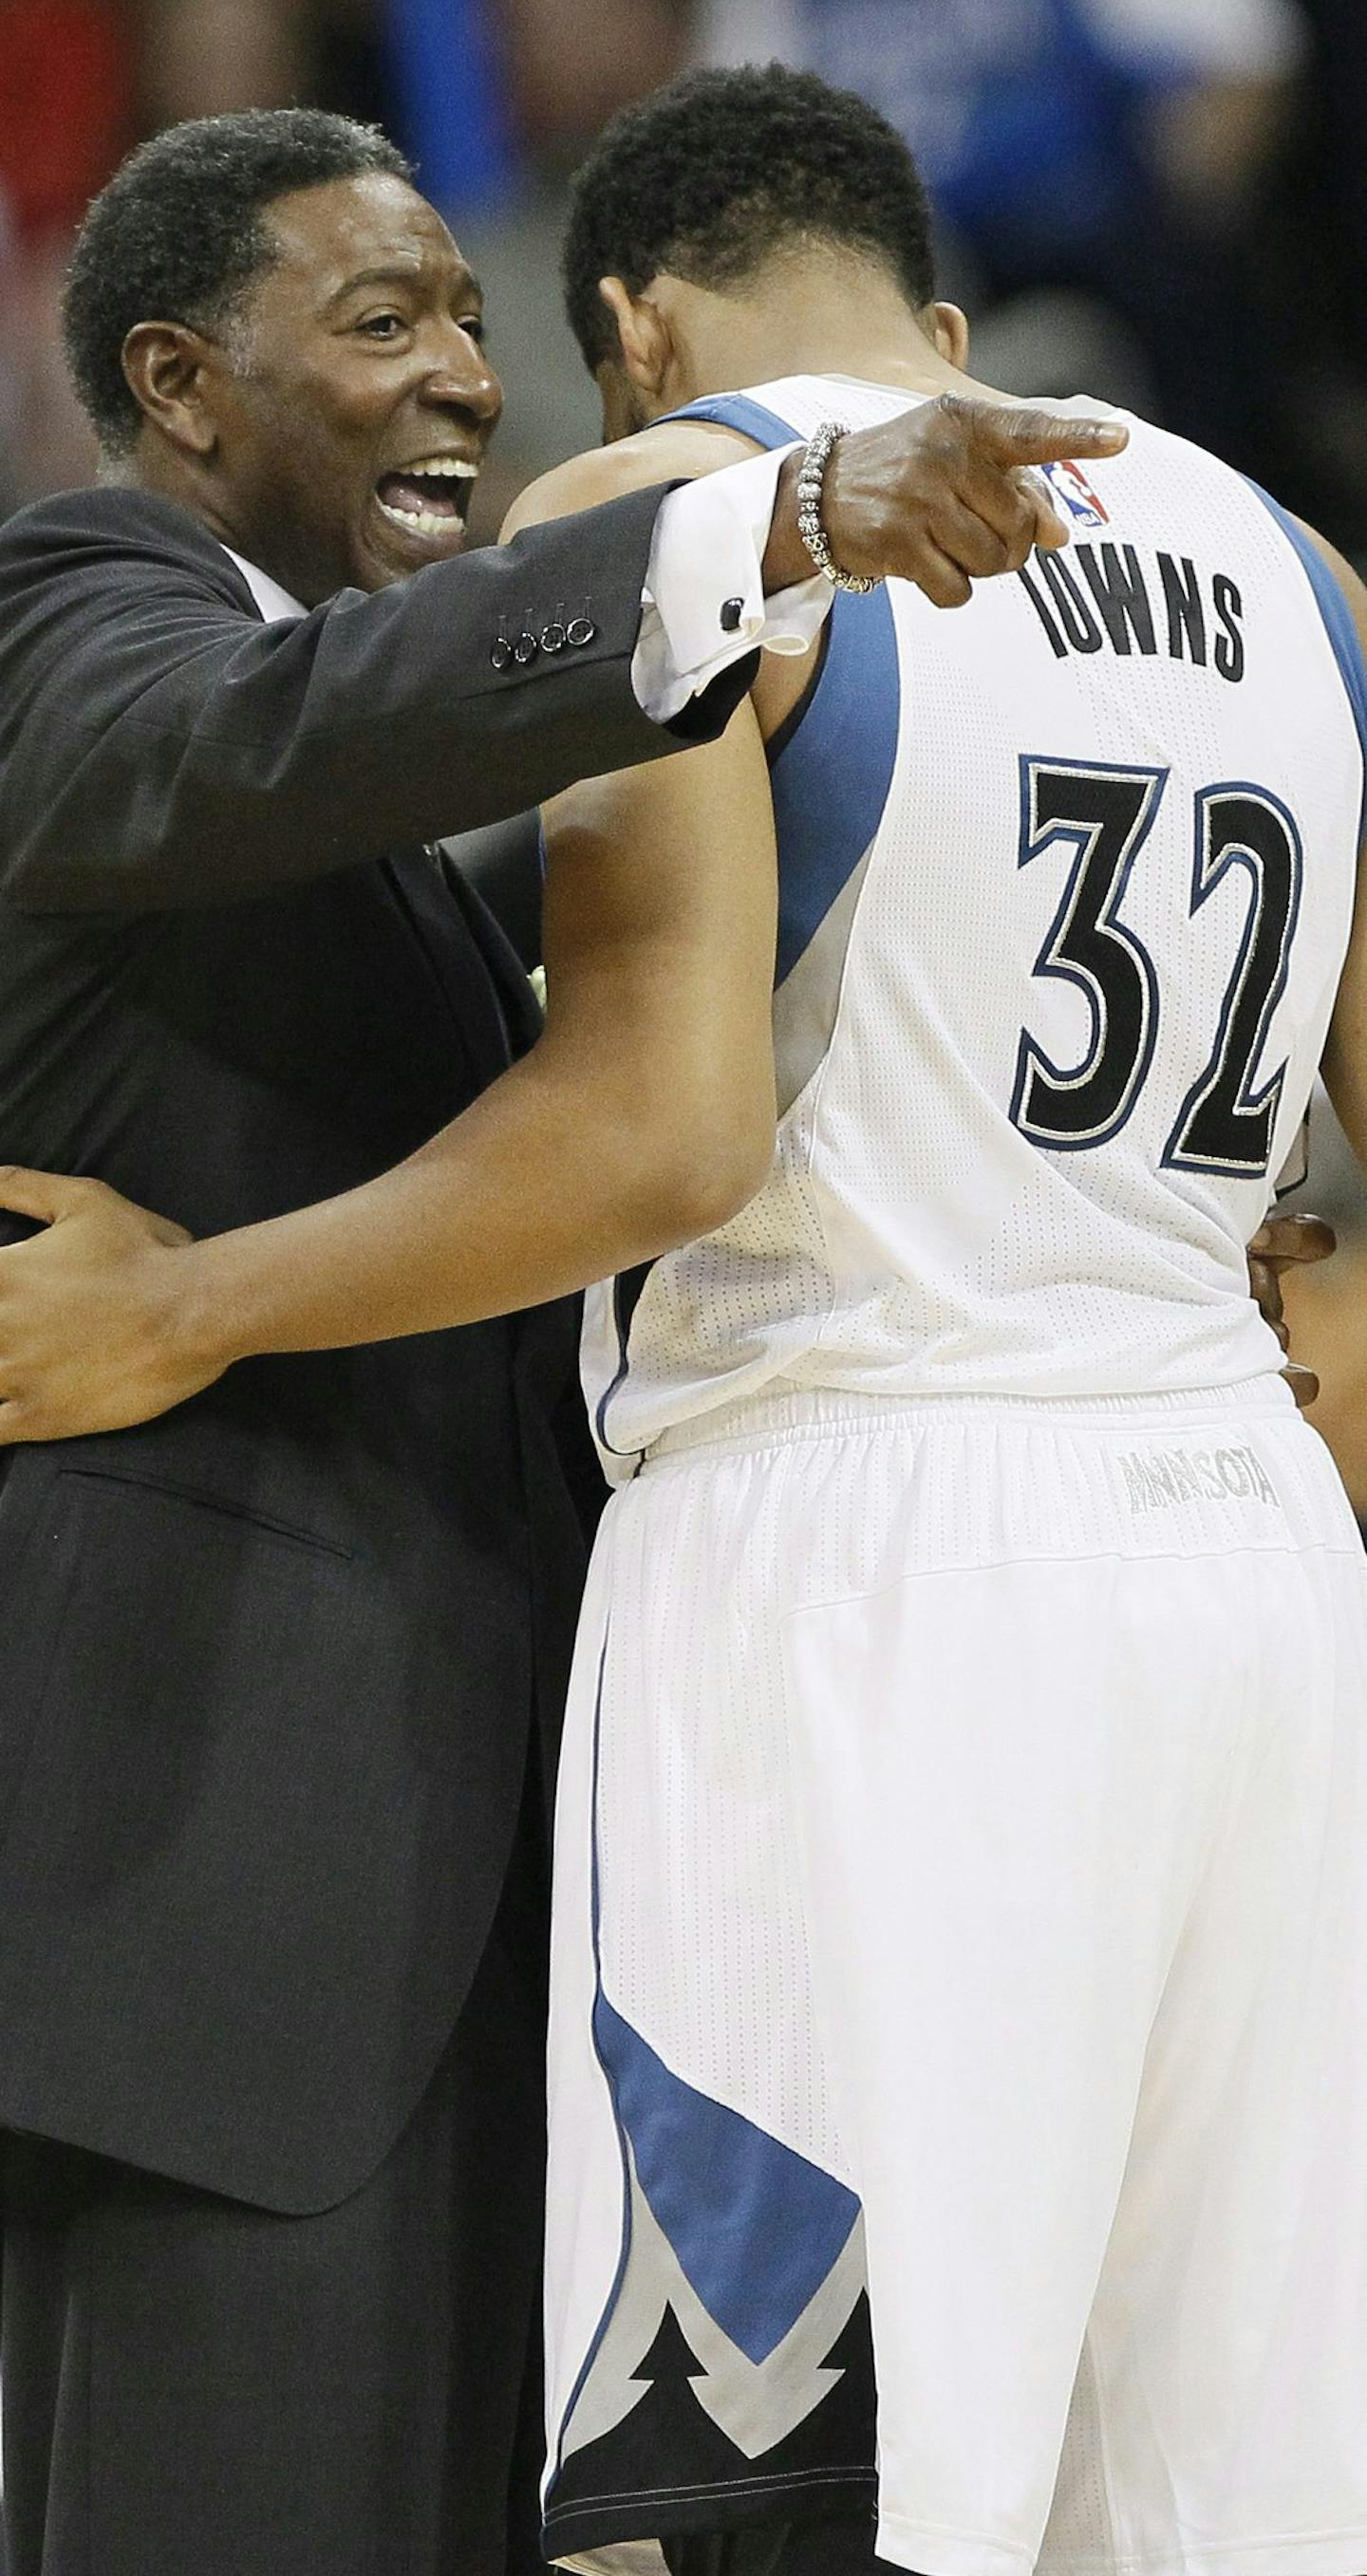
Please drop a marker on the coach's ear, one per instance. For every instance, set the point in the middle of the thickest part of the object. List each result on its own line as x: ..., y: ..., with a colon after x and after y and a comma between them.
x: 642, y: 335
x: 948, y: 328
x: 169, y: 369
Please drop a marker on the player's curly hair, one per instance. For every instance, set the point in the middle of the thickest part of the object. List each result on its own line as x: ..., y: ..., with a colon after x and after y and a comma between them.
x: 715, y: 172
x: 179, y: 233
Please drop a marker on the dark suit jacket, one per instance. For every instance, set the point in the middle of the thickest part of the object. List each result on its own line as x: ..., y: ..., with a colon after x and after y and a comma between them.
x: 270, y: 1663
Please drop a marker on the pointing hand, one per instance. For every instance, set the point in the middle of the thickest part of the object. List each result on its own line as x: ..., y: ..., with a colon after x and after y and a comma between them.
x: 943, y: 495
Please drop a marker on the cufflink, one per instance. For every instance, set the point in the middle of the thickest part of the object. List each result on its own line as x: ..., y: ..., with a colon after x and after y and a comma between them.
x: 732, y: 611
x: 581, y: 629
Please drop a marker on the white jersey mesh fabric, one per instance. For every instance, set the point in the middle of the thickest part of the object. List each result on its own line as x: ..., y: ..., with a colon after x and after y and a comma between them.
x: 1066, y: 881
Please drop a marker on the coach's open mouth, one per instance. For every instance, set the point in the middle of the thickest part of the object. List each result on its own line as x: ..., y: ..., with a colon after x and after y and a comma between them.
x: 429, y: 498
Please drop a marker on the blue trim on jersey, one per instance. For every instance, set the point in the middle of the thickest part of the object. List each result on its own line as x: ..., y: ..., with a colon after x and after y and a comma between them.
x: 756, y: 2228
x: 831, y: 779
x: 830, y: 782
x: 736, y: 411
x: 1337, y: 616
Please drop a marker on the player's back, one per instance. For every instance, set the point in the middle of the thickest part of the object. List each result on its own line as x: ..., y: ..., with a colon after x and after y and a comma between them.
x: 1065, y: 889
x: 960, y: 1821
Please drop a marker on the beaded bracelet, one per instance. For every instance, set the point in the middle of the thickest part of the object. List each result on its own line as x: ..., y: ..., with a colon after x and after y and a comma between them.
x: 809, y: 484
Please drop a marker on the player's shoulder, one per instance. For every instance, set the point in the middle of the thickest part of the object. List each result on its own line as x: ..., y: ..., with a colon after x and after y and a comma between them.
x: 1158, y: 464
x: 673, y: 451
x: 1166, y: 461
x: 1165, y: 458
x: 1330, y: 571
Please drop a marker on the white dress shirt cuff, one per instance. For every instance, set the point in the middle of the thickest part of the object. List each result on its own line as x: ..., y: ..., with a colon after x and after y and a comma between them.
x: 703, y: 604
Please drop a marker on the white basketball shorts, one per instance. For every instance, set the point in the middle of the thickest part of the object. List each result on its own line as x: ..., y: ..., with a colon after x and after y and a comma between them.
x: 960, y: 1992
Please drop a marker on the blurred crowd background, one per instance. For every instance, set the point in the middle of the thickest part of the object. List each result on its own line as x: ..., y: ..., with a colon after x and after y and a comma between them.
x: 1162, y: 203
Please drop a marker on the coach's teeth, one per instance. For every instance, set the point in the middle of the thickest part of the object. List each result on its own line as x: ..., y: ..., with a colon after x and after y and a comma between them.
x: 422, y: 523
x: 400, y: 494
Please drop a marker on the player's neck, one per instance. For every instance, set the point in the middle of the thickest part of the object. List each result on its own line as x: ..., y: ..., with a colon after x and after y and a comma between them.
x: 849, y: 322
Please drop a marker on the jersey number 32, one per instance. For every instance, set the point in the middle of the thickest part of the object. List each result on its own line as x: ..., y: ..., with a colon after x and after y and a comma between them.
x: 1106, y: 815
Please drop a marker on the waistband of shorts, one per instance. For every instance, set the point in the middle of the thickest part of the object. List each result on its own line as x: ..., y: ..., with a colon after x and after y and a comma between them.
x: 785, y: 1410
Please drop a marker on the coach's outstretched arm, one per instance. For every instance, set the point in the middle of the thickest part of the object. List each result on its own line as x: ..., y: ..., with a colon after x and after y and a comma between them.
x: 158, y: 747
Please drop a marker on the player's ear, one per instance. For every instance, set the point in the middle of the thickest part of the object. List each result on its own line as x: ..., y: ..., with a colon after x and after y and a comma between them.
x: 947, y: 326
x: 641, y: 334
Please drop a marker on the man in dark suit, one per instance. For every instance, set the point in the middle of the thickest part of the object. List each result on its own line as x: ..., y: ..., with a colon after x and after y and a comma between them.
x: 282, y: 1670
x: 270, y: 1926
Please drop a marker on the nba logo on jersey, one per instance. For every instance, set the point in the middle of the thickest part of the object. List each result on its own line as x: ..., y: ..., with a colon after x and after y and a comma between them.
x: 1069, y: 485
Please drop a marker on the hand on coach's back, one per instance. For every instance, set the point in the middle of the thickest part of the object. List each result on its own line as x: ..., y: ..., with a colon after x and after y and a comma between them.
x: 942, y: 495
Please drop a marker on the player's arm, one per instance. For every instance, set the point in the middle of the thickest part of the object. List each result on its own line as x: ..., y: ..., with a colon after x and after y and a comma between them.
x: 644, y: 1115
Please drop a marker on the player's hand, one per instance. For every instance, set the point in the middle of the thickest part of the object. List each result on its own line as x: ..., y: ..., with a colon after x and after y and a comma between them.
x: 96, y: 1313
x: 1279, y: 1245
x: 944, y: 495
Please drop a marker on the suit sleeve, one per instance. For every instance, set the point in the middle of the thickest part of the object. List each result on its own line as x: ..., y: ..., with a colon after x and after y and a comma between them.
x: 161, y: 748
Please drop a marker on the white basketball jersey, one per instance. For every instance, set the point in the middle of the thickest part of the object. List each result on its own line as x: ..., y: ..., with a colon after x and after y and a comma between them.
x: 1066, y: 879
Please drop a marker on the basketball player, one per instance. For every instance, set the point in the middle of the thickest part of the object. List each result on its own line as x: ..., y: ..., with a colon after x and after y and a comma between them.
x: 962, y: 1929
x: 963, y: 1926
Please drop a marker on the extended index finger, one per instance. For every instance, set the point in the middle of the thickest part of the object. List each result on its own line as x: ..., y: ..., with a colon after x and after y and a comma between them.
x: 1007, y: 435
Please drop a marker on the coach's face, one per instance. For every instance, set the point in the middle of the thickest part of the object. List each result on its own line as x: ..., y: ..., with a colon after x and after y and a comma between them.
x: 353, y: 405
